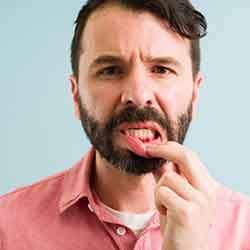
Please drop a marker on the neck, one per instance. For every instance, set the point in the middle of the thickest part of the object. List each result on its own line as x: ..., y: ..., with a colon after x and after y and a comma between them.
x: 127, y: 193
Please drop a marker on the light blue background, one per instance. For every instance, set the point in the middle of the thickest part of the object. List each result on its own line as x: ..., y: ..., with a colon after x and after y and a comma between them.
x: 39, y: 135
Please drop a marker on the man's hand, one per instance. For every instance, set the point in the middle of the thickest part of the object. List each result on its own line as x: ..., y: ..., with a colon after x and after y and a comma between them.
x: 185, y: 201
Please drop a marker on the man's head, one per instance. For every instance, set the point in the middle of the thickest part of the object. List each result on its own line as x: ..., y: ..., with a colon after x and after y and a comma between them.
x: 136, y: 73
x: 180, y: 16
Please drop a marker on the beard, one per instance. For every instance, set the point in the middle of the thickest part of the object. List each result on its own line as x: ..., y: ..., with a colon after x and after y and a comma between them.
x: 102, y: 136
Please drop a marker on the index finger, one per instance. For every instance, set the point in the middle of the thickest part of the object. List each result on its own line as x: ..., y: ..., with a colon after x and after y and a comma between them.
x: 189, y: 165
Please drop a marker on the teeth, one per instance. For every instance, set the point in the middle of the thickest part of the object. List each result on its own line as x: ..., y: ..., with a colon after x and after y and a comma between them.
x: 141, y: 133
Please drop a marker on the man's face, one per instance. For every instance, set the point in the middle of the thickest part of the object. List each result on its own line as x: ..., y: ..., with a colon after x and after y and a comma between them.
x: 135, y: 81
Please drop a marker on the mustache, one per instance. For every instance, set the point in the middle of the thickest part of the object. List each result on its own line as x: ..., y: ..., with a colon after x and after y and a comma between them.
x: 134, y: 114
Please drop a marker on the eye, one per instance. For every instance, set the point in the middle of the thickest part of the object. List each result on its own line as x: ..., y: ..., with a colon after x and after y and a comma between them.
x: 161, y: 70
x: 111, y: 71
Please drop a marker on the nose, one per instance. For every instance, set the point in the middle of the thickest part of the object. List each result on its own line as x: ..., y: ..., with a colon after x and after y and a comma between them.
x: 138, y: 90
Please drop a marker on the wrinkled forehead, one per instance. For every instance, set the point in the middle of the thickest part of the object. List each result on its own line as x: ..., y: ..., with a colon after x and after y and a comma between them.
x: 124, y: 32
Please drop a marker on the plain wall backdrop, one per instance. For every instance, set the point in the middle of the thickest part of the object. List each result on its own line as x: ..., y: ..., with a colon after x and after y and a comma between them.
x: 39, y: 135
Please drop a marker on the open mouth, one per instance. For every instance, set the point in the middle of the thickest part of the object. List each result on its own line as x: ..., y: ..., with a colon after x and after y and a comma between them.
x: 146, y: 132
x: 145, y: 135
x: 137, y: 135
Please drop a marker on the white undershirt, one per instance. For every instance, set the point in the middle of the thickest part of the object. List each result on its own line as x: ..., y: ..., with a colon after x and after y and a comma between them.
x: 135, y: 221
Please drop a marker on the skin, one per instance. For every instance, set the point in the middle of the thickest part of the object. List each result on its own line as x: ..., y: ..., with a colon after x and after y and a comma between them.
x: 136, y: 38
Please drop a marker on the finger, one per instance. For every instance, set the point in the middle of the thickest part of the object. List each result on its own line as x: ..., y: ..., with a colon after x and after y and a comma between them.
x: 165, y: 197
x: 180, y: 186
x: 188, y: 163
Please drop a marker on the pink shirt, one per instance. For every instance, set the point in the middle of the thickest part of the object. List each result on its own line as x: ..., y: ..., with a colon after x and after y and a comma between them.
x: 60, y: 213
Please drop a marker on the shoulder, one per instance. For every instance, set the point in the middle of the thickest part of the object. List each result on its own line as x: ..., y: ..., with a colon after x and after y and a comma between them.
x: 233, y: 214
x: 232, y: 196
x: 30, y: 209
x: 48, y: 190
x: 25, y: 195
x: 238, y: 202
x: 23, y: 205
x: 34, y: 198
x: 233, y: 202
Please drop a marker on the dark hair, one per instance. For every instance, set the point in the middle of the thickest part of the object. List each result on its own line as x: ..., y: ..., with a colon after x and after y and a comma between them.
x: 180, y: 15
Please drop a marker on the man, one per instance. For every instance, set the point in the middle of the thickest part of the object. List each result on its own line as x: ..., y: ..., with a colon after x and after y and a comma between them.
x: 135, y: 88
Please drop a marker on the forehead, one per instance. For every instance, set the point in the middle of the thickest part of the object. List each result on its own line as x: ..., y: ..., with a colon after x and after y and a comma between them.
x: 122, y: 32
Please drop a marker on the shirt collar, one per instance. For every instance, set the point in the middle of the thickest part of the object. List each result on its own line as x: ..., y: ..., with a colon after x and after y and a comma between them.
x: 76, y: 182
x: 76, y: 185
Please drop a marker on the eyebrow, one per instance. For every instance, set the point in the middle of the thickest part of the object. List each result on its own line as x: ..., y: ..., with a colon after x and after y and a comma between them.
x: 165, y: 60
x: 110, y: 59
x: 105, y: 59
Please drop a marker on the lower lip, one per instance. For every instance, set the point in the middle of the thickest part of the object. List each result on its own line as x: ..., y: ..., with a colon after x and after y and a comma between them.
x: 137, y: 146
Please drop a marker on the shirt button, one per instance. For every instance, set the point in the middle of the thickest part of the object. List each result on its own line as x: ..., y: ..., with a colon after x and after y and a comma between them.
x: 121, y: 231
x: 90, y: 208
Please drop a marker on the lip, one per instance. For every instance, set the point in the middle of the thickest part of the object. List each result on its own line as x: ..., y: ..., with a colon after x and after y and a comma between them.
x: 143, y: 125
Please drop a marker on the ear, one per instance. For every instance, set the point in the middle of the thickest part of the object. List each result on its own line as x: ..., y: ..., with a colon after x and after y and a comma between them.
x: 75, y: 95
x: 197, y: 84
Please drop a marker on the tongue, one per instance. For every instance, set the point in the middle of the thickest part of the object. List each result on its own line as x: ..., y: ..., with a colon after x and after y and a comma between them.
x: 137, y: 146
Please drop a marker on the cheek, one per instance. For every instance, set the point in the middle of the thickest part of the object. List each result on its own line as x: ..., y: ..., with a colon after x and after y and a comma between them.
x: 99, y: 102
x: 174, y: 101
